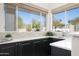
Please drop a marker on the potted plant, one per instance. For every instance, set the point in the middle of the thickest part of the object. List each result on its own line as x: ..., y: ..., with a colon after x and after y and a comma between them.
x: 49, y: 33
x: 8, y: 36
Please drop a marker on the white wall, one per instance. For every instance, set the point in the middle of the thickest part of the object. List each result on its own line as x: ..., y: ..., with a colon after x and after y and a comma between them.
x: 2, y: 18
x: 75, y: 46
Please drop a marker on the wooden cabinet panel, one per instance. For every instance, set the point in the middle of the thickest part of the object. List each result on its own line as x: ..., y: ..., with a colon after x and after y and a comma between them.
x: 8, y: 50
x: 55, y: 51
x: 26, y: 48
x: 40, y: 47
x: 37, y: 48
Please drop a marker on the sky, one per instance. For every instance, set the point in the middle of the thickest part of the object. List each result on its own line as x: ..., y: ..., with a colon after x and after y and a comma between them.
x: 71, y: 14
x: 28, y: 17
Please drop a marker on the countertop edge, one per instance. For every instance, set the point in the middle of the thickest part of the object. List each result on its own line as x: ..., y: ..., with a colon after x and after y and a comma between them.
x: 14, y: 40
x: 58, y: 46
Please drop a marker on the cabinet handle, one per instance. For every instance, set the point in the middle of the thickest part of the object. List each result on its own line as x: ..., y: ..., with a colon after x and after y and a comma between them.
x: 37, y: 42
x: 44, y: 40
x: 26, y: 44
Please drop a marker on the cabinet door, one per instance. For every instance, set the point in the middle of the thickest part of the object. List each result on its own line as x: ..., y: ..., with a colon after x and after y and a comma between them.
x: 26, y: 49
x: 37, y: 48
x: 55, y: 51
x: 45, y: 47
x: 8, y: 50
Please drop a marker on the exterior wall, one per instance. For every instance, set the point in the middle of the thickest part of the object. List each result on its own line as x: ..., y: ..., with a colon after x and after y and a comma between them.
x: 2, y: 18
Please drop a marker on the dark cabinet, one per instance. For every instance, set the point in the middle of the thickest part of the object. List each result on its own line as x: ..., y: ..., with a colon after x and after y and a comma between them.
x: 8, y: 49
x: 39, y: 47
x: 45, y: 47
x: 25, y: 48
x: 55, y: 51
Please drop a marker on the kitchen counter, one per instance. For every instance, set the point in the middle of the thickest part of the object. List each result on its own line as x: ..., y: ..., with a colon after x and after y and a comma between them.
x: 64, y: 44
x: 34, y: 45
x: 29, y: 38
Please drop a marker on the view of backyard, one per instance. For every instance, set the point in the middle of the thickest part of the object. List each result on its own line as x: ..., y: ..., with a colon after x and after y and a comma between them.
x: 67, y: 20
x: 63, y: 21
x: 28, y: 21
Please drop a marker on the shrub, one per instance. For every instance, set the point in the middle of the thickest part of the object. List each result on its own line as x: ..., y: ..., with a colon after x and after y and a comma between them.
x: 49, y: 33
x: 8, y: 35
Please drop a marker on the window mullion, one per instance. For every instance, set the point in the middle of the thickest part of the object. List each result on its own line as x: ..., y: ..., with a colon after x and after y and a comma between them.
x: 31, y: 22
x: 17, y: 19
x: 66, y: 17
x: 41, y: 22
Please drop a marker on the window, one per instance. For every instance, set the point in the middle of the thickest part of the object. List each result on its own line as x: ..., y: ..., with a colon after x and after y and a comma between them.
x: 73, y: 18
x: 59, y: 21
x: 30, y: 21
x: 10, y: 19
x: 66, y: 21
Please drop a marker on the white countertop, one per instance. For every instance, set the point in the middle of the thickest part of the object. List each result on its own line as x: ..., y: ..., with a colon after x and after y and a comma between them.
x: 29, y: 38
x: 22, y: 39
x: 74, y: 34
x: 64, y: 44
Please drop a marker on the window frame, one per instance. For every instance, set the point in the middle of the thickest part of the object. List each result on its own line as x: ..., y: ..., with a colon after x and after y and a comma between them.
x: 41, y: 14
x: 66, y: 15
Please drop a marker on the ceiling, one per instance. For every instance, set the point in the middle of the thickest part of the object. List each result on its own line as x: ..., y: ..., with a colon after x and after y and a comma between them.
x: 49, y: 6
